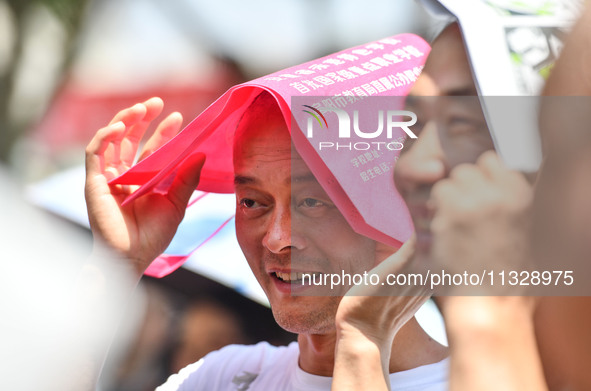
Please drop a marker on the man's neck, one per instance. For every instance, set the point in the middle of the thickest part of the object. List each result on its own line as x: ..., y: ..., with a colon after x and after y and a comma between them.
x: 412, y: 347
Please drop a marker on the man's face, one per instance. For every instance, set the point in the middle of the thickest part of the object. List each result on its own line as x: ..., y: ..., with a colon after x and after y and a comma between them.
x: 286, y: 224
x: 451, y: 129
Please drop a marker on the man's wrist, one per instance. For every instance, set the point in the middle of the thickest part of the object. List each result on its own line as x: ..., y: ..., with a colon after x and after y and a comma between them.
x: 356, y: 340
x: 355, y: 350
x: 106, y: 258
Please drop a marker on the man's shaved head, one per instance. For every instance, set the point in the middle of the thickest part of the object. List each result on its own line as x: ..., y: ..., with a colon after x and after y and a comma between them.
x: 264, y: 109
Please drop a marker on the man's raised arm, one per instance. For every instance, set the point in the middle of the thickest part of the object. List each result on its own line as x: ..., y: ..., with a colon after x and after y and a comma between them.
x: 126, y: 238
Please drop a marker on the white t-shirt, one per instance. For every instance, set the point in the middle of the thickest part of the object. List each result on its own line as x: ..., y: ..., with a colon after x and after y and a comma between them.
x: 266, y: 367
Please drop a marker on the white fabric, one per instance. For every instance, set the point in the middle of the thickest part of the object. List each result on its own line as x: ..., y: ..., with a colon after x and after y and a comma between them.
x: 266, y: 367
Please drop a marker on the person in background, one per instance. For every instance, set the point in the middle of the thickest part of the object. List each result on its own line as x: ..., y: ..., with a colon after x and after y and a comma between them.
x: 469, y: 209
x: 444, y: 177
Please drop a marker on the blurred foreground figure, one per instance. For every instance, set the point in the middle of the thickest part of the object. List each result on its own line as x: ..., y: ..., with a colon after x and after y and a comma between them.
x: 563, y: 210
x: 57, y: 319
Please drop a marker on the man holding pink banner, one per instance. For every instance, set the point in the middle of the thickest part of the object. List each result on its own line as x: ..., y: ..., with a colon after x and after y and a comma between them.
x: 292, y: 209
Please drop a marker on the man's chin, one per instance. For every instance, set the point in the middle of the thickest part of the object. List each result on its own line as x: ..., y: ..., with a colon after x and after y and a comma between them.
x: 309, y: 316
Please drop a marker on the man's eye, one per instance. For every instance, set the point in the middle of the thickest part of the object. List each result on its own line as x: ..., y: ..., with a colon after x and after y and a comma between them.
x: 248, y: 203
x: 311, y: 203
x: 459, y: 121
x: 461, y: 125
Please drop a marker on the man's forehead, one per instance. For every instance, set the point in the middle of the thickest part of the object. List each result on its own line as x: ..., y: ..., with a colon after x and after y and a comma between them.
x: 264, y: 146
x: 273, y: 148
x: 447, y: 71
x: 268, y: 136
x: 291, y: 170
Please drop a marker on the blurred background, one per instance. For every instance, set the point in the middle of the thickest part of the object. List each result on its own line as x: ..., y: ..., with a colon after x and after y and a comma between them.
x: 67, y: 66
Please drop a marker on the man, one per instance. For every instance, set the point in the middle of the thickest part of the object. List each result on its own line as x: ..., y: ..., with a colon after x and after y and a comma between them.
x: 479, y: 213
x: 282, y: 214
x: 462, y: 200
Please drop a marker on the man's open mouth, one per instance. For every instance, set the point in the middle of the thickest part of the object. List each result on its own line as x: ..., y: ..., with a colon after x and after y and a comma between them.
x: 295, y: 278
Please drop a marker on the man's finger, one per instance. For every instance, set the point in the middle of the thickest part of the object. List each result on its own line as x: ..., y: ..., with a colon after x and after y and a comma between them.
x: 95, y: 151
x: 120, y: 149
x: 167, y: 129
x: 492, y: 165
x: 135, y: 133
x: 152, y: 108
x: 442, y: 192
x: 131, y: 115
x: 467, y: 177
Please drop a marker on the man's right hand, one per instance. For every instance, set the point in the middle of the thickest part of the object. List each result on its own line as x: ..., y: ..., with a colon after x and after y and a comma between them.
x: 141, y: 230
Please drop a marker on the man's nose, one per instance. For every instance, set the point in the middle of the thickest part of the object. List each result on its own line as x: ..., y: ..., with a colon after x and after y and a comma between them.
x: 423, y: 164
x: 278, y: 238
